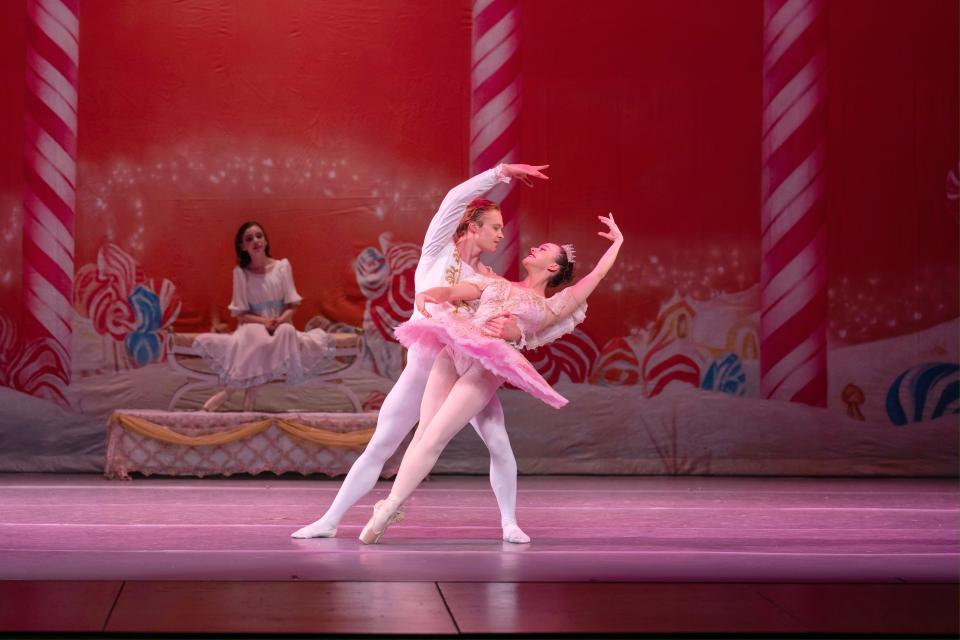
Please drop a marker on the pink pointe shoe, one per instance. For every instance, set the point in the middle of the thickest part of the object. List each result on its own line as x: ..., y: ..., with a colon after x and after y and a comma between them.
x: 382, y: 518
x: 216, y: 401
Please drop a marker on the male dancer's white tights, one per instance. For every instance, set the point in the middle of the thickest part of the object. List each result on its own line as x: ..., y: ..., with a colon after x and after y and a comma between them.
x: 398, y: 414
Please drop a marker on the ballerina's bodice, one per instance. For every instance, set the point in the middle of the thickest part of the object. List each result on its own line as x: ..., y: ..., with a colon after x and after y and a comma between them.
x: 532, y: 312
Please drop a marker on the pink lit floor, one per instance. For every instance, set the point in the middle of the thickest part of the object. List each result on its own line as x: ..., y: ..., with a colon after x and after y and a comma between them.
x: 609, y: 555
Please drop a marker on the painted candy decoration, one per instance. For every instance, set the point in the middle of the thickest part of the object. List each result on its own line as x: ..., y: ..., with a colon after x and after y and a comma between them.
x: 386, y: 278
x: 36, y: 368
x: 617, y: 365
x: 726, y: 375
x: 574, y: 355
x: 854, y: 397
x: 101, y: 291
x: 372, y: 272
x: 8, y: 347
x: 670, y: 363
x: 671, y: 357
x: 924, y: 392
x: 374, y: 401
x: 169, y: 300
x: 395, y: 304
x: 123, y: 304
x: 144, y: 344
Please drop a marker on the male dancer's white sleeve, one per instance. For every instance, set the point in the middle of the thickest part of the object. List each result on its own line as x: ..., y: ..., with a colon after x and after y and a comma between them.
x: 438, y: 246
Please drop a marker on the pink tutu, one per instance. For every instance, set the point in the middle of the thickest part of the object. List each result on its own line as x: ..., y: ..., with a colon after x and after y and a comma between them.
x: 495, y: 355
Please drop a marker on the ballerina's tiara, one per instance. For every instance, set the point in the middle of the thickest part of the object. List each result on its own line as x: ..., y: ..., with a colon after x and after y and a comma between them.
x: 570, y: 252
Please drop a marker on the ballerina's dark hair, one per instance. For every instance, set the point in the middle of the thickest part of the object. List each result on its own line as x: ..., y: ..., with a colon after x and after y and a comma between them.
x: 565, y: 273
x: 474, y: 213
x: 243, y: 258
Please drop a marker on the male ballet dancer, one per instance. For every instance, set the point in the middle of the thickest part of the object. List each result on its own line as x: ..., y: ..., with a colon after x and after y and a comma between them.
x: 463, y: 228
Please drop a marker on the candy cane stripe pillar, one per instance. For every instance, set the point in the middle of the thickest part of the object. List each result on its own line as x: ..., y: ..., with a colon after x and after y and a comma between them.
x: 50, y: 153
x: 793, y: 321
x: 495, y: 110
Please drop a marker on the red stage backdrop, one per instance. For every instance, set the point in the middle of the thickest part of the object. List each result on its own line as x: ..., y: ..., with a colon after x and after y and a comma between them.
x: 340, y: 125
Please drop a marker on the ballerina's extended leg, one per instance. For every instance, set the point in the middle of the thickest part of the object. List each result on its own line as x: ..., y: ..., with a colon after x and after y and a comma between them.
x: 470, y: 394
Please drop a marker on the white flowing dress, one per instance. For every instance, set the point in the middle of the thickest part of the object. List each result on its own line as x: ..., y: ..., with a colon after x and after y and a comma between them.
x: 250, y: 356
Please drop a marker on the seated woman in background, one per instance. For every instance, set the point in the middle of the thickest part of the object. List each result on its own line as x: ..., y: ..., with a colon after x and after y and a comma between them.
x: 265, y: 345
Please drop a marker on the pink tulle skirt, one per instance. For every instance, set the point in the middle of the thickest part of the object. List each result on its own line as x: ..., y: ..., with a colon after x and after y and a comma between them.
x: 496, y: 356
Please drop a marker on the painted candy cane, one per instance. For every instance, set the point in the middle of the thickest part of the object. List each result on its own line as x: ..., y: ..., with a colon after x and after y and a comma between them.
x: 793, y: 356
x: 495, y: 112
x: 50, y: 153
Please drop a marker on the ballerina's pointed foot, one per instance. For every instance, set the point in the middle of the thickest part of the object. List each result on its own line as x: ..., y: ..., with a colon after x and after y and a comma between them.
x: 513, y: 533
x: 318, y: 529
x: 384, y: 514
x: 216, y: 401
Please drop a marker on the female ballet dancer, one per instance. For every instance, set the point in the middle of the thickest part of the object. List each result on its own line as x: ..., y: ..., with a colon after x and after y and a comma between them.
x: 464, y: 227
x: 470, y: 367
x: 265, y: 345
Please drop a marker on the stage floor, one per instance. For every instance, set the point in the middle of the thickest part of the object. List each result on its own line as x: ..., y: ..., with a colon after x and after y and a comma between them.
x: 744, y: 536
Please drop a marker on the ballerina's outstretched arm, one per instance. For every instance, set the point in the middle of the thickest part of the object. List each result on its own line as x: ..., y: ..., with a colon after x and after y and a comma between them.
x: 582, y: 289
x: 438, y: 295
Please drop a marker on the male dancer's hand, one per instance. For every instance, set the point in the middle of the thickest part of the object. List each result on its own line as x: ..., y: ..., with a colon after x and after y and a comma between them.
x: 503, y: 327
x: 523, y: 172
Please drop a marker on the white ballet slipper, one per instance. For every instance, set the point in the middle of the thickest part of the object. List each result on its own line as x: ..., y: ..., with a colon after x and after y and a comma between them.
x: 318, y: 529
x: 514, y: 534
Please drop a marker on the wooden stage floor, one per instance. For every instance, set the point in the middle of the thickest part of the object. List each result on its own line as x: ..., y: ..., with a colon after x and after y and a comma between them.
x: 635, y: 555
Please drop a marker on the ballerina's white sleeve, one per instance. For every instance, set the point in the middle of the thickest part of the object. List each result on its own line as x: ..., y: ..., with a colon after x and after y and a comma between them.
x: 290, y: 294
x: 564, y: 314
x: 239, y: 304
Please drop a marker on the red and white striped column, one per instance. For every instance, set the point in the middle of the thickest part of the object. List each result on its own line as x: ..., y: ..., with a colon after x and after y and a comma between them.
x: 793, y: 321
x: 495, y: 111
x: 50, y: 155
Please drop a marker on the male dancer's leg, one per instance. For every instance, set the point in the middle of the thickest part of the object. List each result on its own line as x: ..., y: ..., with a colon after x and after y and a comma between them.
x: 489, y: 424
x: 443, y: 375
x: 467, y: 397
x: 398, y: 415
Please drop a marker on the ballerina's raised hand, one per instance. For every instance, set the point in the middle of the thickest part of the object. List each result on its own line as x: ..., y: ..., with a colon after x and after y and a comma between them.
x: 613, y: 234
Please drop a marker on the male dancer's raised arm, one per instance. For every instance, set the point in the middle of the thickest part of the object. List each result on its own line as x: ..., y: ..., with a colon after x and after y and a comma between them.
x: 449, y: 214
